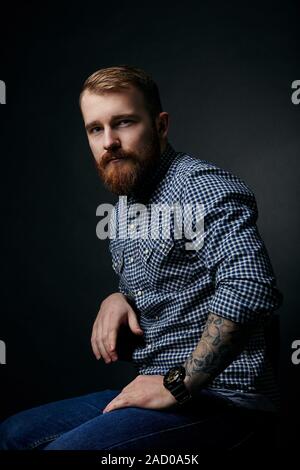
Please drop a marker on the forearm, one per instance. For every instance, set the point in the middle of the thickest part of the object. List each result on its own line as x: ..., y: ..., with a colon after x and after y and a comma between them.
x: 221, y: 342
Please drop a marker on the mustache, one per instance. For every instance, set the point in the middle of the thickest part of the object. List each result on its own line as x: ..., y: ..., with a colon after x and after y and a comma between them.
x: 113, y: 155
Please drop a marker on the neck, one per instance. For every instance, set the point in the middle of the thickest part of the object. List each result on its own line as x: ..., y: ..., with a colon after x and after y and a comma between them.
x: 163, y: 146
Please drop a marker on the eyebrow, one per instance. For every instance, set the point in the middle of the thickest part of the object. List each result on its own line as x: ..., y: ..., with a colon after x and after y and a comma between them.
x: 95, y: 123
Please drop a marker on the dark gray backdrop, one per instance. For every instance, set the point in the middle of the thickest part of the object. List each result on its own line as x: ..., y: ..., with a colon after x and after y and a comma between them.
x: 225, y: 74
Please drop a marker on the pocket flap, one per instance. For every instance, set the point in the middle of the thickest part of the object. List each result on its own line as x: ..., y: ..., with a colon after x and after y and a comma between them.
x: 150, y: 245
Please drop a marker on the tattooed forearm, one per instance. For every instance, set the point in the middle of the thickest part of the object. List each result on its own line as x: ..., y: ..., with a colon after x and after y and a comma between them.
x: 221, y: 341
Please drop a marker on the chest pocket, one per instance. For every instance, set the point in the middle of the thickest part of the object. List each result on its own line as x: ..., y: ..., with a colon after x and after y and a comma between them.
x: 117, y: 255
x: 163, y: 266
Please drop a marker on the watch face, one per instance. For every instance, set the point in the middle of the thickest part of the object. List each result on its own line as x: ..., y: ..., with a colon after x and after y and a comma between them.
x: 174, y: 382
x: 175, y: 374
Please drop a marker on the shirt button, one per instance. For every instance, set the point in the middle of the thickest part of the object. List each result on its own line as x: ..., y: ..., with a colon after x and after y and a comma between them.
x: 131, y: 226
x: 131, y: 259
x: 146, y: 251
x: 156, y: 317
x: 139, y: 292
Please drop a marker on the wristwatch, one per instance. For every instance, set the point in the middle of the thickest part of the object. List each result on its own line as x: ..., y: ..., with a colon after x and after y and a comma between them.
x: 173, y: 381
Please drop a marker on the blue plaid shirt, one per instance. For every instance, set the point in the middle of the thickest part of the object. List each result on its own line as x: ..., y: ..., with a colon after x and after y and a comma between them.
x: 172, y: 289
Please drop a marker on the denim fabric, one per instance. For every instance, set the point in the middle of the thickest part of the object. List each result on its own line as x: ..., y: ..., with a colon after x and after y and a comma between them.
x: 207, y: 421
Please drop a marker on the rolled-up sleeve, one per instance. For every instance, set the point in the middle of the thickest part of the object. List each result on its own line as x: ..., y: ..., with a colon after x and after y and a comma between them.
x: 233, y: 251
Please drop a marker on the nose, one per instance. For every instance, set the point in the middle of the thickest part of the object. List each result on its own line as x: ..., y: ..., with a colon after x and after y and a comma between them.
x: 111, y: 139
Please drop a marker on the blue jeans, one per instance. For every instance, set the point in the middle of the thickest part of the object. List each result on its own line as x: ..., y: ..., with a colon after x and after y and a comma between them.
x: 207, y: 421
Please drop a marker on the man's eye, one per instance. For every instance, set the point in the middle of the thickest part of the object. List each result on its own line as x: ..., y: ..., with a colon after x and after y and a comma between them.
x: 124, y: 122
x: 95, y: 130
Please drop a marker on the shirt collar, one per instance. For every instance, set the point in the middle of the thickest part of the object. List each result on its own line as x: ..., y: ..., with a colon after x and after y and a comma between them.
x: 165, y: 161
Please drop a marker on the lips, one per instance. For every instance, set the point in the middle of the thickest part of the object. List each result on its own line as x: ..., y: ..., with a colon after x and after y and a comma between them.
x: 115, y: 160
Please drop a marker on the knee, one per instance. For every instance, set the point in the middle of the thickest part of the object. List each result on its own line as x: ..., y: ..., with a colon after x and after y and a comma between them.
x: 12, y: 432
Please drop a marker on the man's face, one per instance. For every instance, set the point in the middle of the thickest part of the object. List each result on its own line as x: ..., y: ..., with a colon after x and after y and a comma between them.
x: 124, y: 141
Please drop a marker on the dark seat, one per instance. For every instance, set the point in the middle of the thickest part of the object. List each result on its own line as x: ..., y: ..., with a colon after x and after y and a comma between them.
x: 266, y: 438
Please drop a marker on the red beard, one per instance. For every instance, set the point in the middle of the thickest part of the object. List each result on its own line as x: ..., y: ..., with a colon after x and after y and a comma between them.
x: 131, y: 172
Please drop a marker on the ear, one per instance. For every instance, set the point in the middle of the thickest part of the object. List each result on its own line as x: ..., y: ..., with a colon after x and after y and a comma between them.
x: 163, y: 124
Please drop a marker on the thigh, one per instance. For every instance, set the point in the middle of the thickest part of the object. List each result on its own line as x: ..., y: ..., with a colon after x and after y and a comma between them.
x: 35, y: 427
x: 205, y: 423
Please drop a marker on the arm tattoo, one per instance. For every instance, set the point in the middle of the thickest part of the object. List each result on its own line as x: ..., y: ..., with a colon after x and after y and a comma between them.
x: 221, y: 341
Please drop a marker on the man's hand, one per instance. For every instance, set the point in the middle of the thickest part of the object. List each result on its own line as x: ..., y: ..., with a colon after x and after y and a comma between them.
x: 145, y: 391
x: 114, y: 312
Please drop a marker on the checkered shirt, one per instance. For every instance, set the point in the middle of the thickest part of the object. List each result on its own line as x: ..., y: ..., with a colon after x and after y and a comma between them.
x: 173, y: 289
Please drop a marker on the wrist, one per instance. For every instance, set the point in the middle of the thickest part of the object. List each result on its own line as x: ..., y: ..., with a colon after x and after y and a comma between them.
x: 196, y: 383
x: 174, y: 382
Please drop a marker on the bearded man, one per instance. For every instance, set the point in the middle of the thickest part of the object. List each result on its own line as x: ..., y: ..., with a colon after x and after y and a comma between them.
x: 198, y: 315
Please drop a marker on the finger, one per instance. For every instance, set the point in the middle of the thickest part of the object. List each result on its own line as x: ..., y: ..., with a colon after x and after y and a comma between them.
x: 103, y: 351
x: 121, y: 401
x: 108, y: 330
x: 94, y: 343
x: 112, y: 342
x: 109, y: 407
x: 100, y: 341
x: 133, y: 323
x: 95, y: 348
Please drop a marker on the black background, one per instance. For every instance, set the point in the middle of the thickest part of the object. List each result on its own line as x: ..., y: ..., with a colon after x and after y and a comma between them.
x: 225, y: 74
